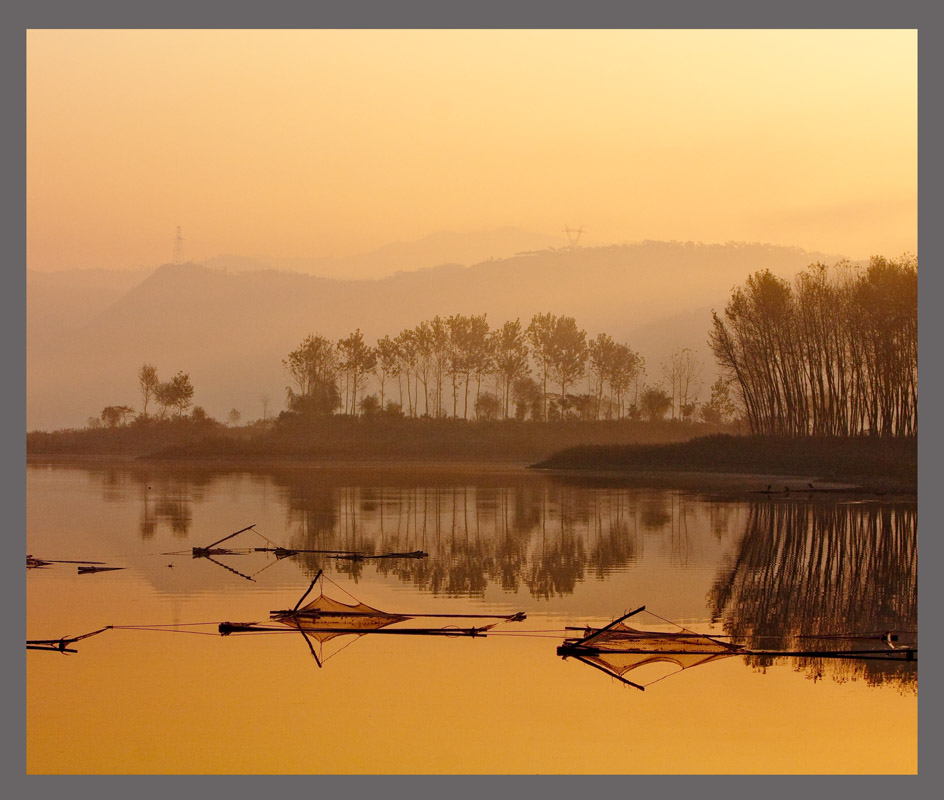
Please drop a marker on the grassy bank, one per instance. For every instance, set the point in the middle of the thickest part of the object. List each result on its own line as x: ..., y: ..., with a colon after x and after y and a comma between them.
x: 872, y: 462
x: 355, y: 439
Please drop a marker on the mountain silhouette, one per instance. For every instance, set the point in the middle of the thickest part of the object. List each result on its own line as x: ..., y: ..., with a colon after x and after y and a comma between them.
x: 87, y: 336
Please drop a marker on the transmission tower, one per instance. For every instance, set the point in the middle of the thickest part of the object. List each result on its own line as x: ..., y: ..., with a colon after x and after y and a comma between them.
x: 179, y: 248
x: 573, y: 236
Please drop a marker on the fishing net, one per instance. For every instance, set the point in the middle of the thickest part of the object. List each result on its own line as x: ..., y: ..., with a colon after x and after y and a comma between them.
x: 621, y: 649
x: 622, y: 637
x: 325, y: 612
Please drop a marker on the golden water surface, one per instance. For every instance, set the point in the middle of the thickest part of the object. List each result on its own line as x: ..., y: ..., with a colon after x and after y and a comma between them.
x: 163, y: 692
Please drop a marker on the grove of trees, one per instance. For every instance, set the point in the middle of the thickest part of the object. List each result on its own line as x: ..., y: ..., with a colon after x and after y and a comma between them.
x: 460, y: 367
x: 834, y: 353
x: 173, y: 396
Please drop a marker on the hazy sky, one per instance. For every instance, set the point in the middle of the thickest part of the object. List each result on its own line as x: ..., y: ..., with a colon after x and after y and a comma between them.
x: 329, y: 143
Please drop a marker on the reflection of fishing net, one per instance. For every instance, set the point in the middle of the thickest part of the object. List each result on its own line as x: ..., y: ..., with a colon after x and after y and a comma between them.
x: 325, y: 612
x: 620, y: 650
x: 324, y: 619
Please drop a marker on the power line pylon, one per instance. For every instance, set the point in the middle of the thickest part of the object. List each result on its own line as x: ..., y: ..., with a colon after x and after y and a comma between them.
x: 573, y: 236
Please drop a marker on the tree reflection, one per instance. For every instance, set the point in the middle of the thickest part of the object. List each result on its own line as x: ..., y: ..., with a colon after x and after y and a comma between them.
x: 795, y: 566
x: 654, y: 514
x: 167, y: 502
x: 530, y: 534
x: 167, y: 495
x: 817, y: 569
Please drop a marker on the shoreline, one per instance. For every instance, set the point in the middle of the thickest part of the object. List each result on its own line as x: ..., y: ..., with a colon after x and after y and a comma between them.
x: 774, y: 486
x: 768, y: 465
x: 771, y: 464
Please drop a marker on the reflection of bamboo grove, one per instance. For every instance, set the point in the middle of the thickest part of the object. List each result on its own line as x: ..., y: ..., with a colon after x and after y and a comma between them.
x: 822, y: 568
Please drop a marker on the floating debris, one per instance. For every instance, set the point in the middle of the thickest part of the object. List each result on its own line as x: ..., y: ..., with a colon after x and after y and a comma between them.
x: 61, y: 645
x: 212, y: 550
x: 32, y: 562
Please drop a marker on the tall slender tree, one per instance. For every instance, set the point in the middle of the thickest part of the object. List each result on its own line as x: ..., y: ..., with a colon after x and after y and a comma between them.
x: 540, y: 334
x: 568, y: 354
x: 601, y: 358
x: 387, y: 364
x: 357, y: 360
x: 835, y: 354
x: 407, y: 360
x: 510, y: 348
x: 423, y: 341
x: 147, y: 381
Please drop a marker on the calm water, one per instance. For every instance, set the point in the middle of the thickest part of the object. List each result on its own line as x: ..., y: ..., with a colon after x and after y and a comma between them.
x: 163, y: 692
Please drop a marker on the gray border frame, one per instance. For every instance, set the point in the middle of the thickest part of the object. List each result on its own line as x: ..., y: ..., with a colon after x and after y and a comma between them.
x: 443, y: 14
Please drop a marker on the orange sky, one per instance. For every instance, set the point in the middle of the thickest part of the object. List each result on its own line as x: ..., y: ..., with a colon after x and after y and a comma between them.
x: 329, y: 143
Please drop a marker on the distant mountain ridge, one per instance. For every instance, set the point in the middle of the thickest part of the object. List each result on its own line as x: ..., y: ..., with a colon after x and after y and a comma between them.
x: 442, y: 247
x: 231, y: 330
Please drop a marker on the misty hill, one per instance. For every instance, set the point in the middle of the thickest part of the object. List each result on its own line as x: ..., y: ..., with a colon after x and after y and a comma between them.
x: 58, y: 303
x: 231, y: 330
x: 442, y: 247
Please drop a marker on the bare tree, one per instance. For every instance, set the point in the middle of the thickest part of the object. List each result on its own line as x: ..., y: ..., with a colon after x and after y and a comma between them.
x: 682, y: 373
x: 628, y: 370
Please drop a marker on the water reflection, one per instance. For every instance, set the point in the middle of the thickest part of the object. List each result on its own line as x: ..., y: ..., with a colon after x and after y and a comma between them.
x: 788, y: 566
x: 541, y: 536
x: 805, y: 568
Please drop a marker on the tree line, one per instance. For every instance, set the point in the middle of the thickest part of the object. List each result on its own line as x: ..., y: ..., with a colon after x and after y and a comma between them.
x: 834, y: 353
x: 460, y: 367
x: 172, y: 398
